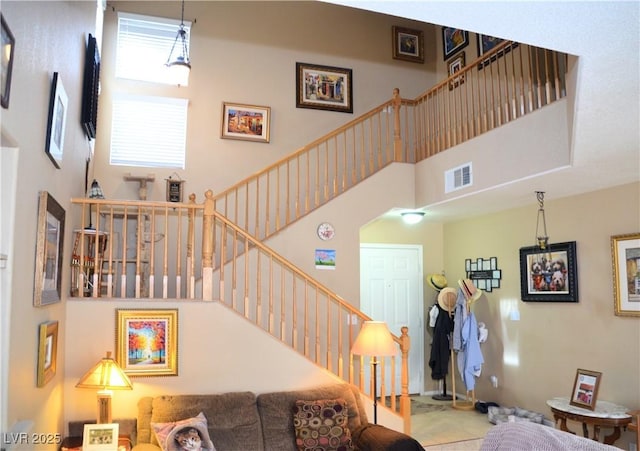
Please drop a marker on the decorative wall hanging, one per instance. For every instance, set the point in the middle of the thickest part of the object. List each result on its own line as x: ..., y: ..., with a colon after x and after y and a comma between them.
x: 57, y: 121
x: 408, y: 44
x: 484, y: 273
x: 47, y: 352
x: 549, y: 275
x: 175, y: 188
x: 324, y: 88
x: 247, y: 122
x: 6, y: 57
x: 147, y: 342
x: 325, y: 259
x: 453, y: 39
x: 325, y: 231
x: 625, y: 253
x: 49, y: 245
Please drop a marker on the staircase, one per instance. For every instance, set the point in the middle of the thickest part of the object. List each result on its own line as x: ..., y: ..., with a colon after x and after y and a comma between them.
x: 217, y: 250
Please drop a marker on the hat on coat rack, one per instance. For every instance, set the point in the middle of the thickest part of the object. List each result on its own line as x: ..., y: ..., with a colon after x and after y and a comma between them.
x: 447, y: 299
x: 471, y: 293
x: 437, y: 281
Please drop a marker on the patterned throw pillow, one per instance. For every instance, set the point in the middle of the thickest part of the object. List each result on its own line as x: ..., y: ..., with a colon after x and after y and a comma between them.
x: 165, y: 432
x: 322, y: 425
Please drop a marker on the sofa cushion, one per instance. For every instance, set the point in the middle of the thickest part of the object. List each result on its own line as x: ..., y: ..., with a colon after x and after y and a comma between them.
x: 233, y: 421
x: 166, y: 432
x: 276, y: 412
x: 322, y: 425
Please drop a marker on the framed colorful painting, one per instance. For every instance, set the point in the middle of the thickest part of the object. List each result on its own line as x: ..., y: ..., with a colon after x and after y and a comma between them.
x: 324, y: 88
x: 247, y: 122
x: 453, y: 40
x: 147, y: 342
x: 625, y: 254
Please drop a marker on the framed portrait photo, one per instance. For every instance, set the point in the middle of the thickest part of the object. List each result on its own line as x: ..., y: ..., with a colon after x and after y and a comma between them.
x: 585, y: 389
x: 100, y: 437
x: 47, y: 352
x: 324, y: 88
x: 453, y: 40
x: 49, y: 246
x: 408, y: 44
x: 6, y: 58
x: 57, y: 123
x: 625, y: 255
x: 549, y: 275
x: 147, y: 342
x: 246, y: 122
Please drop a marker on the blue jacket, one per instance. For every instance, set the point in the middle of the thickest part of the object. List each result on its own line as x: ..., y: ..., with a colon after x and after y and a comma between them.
x: 470, y: 358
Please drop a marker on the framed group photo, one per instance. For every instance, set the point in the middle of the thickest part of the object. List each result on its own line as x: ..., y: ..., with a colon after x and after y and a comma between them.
x: 549, y: 275
x: 625, y: 254
x: 585, y: 389
x: 49, y: 245
x: 147, y: 342
x: 324, y: 88
x: 408, y: 44
x: 246, y: 122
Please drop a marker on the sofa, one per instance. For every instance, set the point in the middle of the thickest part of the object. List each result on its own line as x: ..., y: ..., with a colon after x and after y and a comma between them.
x: 277, y: 421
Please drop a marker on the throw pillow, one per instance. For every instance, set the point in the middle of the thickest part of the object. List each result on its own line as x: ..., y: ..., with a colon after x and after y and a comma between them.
x: 322, y: 425
x: 185, y: 429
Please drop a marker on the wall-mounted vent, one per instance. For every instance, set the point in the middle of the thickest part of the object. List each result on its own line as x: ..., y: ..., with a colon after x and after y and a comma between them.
x: 457, y: 178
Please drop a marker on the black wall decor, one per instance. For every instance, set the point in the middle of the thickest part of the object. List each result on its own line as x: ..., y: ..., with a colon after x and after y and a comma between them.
x: 90, y: 88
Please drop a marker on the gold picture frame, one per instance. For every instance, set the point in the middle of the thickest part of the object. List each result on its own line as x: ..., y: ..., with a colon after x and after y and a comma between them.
x: 47, y: 352
x: 49, y: 246
x: 147, y: 342
x: 625, y: 256
x: 585, y: 389
x: 246, y: 122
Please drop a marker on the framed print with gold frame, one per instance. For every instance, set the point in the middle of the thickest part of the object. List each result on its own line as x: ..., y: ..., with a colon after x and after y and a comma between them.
x: 585, y: 389
x: 47, y: 352
x: 625, y: 255
x: 246, y: 122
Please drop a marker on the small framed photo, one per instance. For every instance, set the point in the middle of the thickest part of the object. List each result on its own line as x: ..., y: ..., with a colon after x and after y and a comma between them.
x: 549, y: 275
x: 625, y: 254
x: 100, y: 437
x: 324, y: 88
x: 408, y: 44
x: 453, y: 39
x: 247, y: 122
x: 585, y: 389
x: 49, y: 246
x: 456, y: 65
x: 8, y: 45
x: 47, y: 352
x: 147, y: 342
x: 57, y: 123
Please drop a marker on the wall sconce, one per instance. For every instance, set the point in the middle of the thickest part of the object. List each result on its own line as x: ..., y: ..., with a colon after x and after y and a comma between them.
x: 106, y: 376
x: 179, y: 66
x: 374, y: 340
x: 412, y: 217
x: 541, y: 240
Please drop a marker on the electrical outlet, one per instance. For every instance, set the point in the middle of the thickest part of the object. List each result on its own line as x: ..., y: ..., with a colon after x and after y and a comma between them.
x: 494, y: 381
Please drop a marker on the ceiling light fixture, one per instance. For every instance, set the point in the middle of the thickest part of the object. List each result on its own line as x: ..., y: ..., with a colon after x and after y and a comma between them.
x: 412, y: 217
x: 180, y: 65
x: 541, y: 240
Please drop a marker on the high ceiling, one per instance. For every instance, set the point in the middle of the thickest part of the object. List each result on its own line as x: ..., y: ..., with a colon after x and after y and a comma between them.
x: 605, y: 140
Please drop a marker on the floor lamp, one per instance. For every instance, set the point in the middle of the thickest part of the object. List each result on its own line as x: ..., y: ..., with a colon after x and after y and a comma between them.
x: 374, y: 340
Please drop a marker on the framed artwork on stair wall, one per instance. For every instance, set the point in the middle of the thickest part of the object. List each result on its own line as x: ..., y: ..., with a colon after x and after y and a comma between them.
x: 49, y: 245
x: 324, y: 88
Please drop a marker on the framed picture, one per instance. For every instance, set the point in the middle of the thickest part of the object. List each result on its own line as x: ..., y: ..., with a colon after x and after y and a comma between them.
x: 549, y: 275
x: 8, y: 46
x: 100, y: 437
x: 486, y: 43
x: 625, y: 253
x: 585, y: 389
x: 453, y: 39
x: 57, y: 121
x: 49, y: 245
x: 47, y: 352
x: 456, y: 65
x: 408, y: 44
x: 147, y: 342
x: 324, y: 88
x: 248, y: 122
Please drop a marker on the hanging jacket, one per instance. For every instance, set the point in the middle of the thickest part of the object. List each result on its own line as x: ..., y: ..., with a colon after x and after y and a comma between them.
x: 470, y: 358
x: 440, y: 350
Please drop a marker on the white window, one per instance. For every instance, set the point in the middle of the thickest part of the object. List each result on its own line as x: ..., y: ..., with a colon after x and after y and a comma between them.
x: 148, y: 131
x: 144, y: 45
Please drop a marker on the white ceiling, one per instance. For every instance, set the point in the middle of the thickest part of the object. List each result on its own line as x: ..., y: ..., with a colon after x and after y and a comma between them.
x: 606, y: 37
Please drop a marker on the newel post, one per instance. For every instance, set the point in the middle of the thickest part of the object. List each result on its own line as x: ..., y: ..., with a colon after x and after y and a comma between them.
x: 396, y: 102
x: 191, y: 278
x: 405, y: 402
x: 207, y: 246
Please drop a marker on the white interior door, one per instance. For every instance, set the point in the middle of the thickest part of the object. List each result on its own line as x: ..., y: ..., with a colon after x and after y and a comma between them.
x: 391, y: 291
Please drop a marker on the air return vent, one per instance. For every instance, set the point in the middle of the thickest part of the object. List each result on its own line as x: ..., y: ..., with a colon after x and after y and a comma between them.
x: 457, y: 178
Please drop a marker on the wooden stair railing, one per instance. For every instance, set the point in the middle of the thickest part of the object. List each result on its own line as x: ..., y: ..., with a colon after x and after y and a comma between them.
x: 157, y: 250
x: 508, y: 82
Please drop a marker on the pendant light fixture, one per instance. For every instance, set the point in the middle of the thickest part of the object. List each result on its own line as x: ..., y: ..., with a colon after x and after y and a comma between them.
x: 179, y: 65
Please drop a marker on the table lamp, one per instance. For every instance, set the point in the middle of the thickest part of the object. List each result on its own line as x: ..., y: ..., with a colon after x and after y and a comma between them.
x: 94, y: 193
x: 374, y: 340
x: 106, y: 376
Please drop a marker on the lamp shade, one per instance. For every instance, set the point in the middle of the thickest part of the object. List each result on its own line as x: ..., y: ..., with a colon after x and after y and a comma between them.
x: 105, y: 375
x: 95, y: 192
x: 374, y: 339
